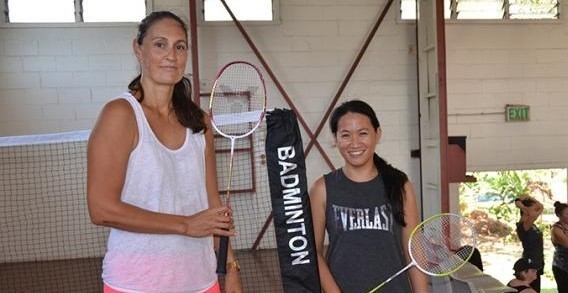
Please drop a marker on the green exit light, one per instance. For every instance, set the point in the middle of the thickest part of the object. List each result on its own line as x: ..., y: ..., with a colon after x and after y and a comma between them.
x: 517, y: 113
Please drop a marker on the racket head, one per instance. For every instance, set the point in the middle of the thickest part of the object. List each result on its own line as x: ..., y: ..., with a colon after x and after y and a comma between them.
x: 237, y: 104
x: 442, y: 244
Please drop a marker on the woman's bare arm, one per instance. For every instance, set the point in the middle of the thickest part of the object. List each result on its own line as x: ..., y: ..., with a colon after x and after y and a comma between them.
x: 318, y: 204
x: 530, y: 213
x: 559, y: 237
x: 418, y: 279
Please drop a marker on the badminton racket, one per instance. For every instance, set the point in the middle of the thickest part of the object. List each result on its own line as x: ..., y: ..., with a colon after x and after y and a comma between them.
x: 236, y: 107
x: 439, y: 246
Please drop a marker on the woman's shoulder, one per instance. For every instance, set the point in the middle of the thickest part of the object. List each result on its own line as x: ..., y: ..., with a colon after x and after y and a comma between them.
x: 330, y: 177
x: 120, y: 100
x: 124, y: 99
x: 334, y: 174
x: 518, y: 284
x: 317, y: 190
x: 117, y: 108
x: 117, y: 116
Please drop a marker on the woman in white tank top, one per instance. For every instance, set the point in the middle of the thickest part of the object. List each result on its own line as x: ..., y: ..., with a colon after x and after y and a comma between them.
x: 151, y: 176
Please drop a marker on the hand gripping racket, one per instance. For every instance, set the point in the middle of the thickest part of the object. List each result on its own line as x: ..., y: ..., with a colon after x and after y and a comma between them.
x: 439, y: 246
x: 236, y: 107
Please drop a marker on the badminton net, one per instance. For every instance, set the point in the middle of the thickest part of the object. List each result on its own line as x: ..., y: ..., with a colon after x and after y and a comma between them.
x: 49, y: 244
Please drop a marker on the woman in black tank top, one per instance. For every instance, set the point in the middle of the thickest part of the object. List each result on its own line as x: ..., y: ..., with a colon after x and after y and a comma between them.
x: 367, y: 207
x: 530, y: 235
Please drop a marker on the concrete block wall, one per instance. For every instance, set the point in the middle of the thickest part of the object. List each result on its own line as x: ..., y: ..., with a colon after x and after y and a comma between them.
x: 311, y: 51
x: 57, y: 77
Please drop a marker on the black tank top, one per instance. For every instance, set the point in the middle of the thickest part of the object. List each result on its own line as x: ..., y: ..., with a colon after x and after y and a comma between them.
x: 532, y: 242
x: 365, y: 244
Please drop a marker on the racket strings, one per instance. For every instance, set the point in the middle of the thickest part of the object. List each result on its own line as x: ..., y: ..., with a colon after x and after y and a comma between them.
x: 443, y: 245
x: 237, y: 100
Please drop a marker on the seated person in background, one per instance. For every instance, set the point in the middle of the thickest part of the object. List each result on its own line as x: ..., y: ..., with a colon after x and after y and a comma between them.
x: 525, y: 273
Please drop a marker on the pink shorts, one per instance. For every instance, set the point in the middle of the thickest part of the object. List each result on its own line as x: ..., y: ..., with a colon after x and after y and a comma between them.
x: 216, y: 288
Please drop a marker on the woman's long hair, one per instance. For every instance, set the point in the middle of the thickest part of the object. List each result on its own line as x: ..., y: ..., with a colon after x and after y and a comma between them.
x: 188, y: 113
x: 393, y: 178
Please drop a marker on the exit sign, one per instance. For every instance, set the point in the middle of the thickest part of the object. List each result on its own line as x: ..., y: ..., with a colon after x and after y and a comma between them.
x: 516, y: 113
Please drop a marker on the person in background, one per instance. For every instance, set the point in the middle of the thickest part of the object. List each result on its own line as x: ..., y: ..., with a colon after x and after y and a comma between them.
x: 525, y: 273
x: 530, y: 235
x: 559, y: 237
x: 368, y: 208
x: 151, y: 175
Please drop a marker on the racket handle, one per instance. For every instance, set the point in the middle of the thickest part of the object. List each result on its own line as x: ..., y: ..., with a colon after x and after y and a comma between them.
x: 222, y: 255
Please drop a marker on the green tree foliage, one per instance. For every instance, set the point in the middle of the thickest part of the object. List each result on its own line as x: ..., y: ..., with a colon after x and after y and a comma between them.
x: 508, y: 185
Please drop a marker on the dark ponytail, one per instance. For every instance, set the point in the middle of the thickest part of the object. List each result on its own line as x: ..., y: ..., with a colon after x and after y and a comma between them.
x: 188, y: 113
x: 394, y: 180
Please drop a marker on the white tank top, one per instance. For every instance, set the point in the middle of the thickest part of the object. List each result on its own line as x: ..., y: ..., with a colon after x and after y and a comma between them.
x: 167, y: 181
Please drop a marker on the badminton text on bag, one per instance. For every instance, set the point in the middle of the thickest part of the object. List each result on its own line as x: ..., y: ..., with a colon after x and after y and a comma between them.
x: 293, y: 206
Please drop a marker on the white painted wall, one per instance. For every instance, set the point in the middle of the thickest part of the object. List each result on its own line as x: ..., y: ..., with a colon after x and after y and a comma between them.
x: 57, y: 77
x: 491, y: 65
x: 310, y: 52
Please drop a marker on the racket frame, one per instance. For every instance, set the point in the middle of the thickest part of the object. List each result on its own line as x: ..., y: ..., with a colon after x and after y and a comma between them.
x: 224, y: 240
x: 413, y: 260
x: 263, y: 111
